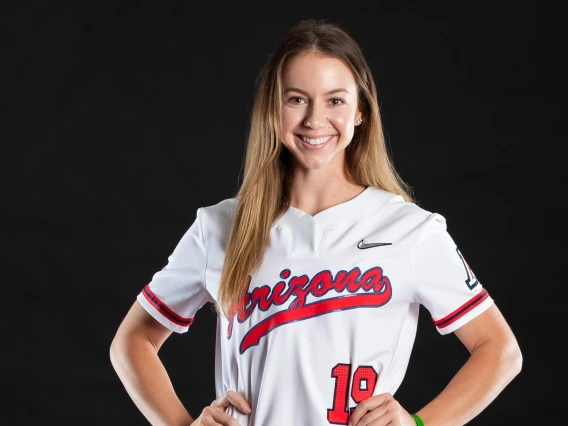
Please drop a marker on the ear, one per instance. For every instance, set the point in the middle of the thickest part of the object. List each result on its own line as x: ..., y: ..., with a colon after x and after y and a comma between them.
x: 358, y: 118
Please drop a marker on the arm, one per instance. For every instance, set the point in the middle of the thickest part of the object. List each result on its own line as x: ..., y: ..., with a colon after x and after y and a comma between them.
x: 134, y: 356
x: 495, y: 359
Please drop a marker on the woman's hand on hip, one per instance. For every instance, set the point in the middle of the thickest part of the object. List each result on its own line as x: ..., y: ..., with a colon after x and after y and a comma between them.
x: 380, y: 410
x: 214, y: 414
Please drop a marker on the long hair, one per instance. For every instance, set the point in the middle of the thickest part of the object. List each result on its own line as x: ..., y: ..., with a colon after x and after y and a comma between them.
x: 263, y: 195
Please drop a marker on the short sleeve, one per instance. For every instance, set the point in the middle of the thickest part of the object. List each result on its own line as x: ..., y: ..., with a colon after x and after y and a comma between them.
x: 444, y: 282
x: 178, y: 291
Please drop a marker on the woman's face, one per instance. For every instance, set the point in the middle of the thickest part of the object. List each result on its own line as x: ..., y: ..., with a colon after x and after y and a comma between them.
x: 320, y: 109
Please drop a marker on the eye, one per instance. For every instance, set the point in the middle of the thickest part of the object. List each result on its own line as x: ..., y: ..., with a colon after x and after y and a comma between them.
x: 296, y: 100
x: 336, y: 101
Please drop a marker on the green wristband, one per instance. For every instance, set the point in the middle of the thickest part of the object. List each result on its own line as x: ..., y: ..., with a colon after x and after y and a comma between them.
x: 418, y: 420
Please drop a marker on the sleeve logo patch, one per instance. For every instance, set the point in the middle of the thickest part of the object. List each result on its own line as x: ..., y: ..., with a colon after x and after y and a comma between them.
x: 471, y: 280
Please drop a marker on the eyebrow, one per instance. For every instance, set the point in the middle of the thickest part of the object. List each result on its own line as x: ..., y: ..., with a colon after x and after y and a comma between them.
x: 303, y: 92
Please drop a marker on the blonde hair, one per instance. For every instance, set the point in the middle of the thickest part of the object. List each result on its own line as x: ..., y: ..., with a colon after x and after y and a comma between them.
x: 263, y: 195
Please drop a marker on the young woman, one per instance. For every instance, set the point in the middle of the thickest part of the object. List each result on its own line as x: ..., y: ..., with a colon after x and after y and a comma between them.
x: 317, y: 268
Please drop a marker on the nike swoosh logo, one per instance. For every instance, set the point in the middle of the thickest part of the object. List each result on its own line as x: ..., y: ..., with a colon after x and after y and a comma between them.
x: 363, y: 245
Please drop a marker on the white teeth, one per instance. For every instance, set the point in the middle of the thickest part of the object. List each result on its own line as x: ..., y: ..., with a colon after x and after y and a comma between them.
x: 317, y: 141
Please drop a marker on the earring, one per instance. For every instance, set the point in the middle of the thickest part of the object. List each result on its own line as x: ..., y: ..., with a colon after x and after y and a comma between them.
x: 359, y: 121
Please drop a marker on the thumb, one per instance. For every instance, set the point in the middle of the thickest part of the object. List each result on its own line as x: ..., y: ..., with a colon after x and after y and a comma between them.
x: 232, y: 398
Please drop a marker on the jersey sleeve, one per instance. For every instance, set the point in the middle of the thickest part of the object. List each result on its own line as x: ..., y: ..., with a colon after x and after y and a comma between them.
x: 178, y: 291
x: 444, y: 282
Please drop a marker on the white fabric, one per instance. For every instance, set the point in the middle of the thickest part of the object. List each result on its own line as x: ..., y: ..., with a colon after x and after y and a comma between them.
x: 326, y: 324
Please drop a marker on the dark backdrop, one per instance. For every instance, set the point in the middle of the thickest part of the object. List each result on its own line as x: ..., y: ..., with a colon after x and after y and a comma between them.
x: 120, y: 119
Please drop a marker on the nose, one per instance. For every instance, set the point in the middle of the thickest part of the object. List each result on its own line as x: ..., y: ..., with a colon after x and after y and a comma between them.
x: 315, y: 119
x: 313, y: 126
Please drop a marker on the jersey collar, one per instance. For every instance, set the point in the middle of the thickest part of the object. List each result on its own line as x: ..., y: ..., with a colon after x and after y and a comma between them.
x: 364, y: 204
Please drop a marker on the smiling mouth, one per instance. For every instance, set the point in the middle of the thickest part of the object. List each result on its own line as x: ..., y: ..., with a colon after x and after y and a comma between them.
x: 315, y: 141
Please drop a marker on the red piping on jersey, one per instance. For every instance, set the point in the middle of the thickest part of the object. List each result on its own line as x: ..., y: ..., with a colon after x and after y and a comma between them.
x: 462, y: 310
x: 164, y: 309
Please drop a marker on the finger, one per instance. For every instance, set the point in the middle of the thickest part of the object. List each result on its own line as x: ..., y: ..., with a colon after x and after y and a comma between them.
x: 367, y: 405
x: 373, y: 417
x: 388, y: 419
x: 383, y: 421
x: 239, y: 401
x: 232, y: 398
x: 222, y: 418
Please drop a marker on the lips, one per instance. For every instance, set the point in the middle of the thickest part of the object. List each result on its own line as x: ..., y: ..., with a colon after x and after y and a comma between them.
x: 314, y: 143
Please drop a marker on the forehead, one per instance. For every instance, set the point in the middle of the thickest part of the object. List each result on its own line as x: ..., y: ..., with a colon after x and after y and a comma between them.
x: 314, y: 72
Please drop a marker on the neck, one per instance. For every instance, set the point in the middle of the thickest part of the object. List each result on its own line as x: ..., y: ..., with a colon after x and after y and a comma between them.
x: 315, y: 190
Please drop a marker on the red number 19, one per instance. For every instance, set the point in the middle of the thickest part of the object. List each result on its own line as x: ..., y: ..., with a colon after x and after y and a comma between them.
x: 364, y: 381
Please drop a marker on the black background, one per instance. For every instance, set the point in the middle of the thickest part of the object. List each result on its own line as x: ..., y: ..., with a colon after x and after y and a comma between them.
x: 120, y: 119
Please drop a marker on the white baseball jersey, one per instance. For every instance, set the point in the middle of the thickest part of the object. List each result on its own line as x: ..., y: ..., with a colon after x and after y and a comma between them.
x: 331, y: 314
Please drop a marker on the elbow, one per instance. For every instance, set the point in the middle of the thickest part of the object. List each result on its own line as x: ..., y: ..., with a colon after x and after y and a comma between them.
x: 516, y: 359
x: 512, y: 359
x: 115, y: 351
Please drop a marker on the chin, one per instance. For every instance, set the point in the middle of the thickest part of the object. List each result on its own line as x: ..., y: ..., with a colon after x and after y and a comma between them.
x: 313, y: 163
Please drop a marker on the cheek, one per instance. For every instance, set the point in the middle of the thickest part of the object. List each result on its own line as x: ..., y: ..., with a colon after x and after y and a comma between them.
x: 342, y: 119
x: 343, y: 124
x: 290, y: 120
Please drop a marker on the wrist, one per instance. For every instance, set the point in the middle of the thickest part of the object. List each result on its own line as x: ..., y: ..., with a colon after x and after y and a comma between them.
x: 417, y: 419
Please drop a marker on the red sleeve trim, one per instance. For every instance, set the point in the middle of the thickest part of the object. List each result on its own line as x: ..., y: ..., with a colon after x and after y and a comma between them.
x: 462, y: 310
x: 164, y: 309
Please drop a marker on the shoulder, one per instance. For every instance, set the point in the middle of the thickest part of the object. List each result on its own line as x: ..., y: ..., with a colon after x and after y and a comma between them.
x: 217, y: 219
x: 407, y: 217
x: 394, y: 205
x: 222, y: 211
